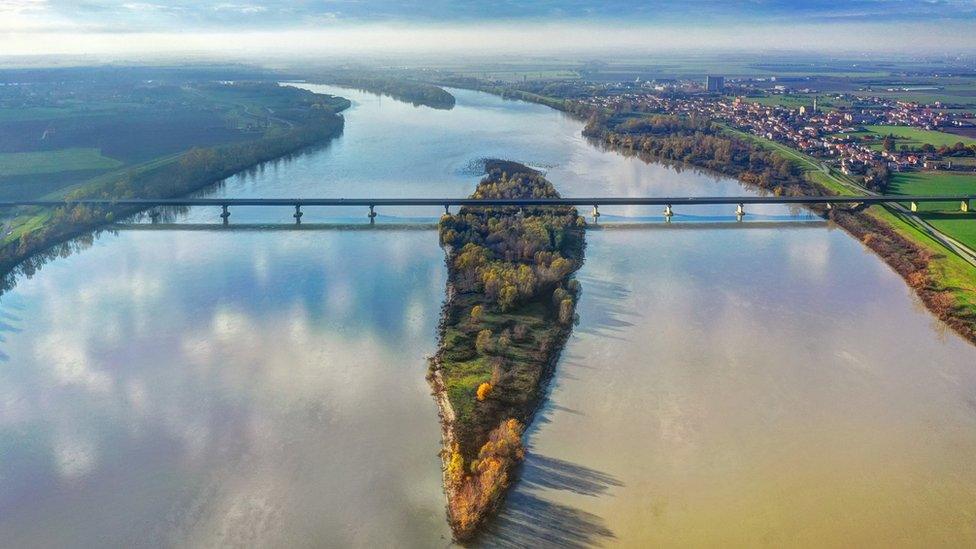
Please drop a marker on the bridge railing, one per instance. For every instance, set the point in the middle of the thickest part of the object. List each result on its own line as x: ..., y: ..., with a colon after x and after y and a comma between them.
x: 668, y: 202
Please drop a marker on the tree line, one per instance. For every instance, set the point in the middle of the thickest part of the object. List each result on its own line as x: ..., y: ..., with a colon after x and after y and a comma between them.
x: 696, y: 140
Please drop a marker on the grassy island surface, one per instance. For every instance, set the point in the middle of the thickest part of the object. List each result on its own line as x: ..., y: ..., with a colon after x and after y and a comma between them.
x: 510, y: 307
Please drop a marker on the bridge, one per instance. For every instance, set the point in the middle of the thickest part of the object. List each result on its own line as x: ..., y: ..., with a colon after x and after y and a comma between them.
x: 669, y: 203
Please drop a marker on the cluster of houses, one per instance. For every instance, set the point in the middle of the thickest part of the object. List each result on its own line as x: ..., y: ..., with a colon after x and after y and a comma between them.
x: 823, y: 134
x: 907, y: 113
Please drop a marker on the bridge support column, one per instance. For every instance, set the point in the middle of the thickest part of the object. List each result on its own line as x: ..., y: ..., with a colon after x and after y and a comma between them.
x: 914, y: 206
x: 596, y: 213
x: 447, y: 209
x: 964, y: 206
x: 154, y: 216
x: 668, y: 212
x: 740, y: 210
x: 372, y: 214
x: 224, y: 213
x: 298, y: 214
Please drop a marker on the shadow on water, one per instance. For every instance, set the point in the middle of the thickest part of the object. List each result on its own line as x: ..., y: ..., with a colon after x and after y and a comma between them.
x: 548, y: 407
x: 530, y: 521
x: 556, y: 474
x: 607, y: 317
x: 542, y: 417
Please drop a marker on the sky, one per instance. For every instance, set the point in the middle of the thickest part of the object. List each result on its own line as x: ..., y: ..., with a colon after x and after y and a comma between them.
x: 503, y: 26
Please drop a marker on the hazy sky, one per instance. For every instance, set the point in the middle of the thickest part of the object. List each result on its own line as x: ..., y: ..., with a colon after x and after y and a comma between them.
x: 335, y: 26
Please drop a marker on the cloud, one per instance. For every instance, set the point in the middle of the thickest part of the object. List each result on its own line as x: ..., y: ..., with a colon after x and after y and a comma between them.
x: 278, y: 14
x: 28, y: 16
x: 241, y: 8
x: 507, y: 38
x: 542, y: 26
x: 8, y: 7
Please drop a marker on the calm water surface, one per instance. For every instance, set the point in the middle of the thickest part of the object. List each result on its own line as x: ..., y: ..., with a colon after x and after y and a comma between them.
x: 748, y: 386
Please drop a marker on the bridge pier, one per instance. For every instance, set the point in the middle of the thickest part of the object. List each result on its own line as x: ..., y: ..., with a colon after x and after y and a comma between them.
x: 740, y: 210
x: 964, y: 206
x: 154, y: 216
x: 298, y: 214
x: 224, y: 213
x: 596, y: 213
x: 914, y: 206
x: 668, y: 212
x: 372, y: 214
x: 447, y: 209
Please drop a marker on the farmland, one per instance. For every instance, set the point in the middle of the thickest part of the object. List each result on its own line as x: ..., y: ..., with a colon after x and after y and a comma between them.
x: 946, y: 217
x: 43, y: 162
x: 907, y: 137
x: 916, y: 137
x: 794, y: 101
x: 923, y: 183
x: 57, y: 135
x: 131, y: 137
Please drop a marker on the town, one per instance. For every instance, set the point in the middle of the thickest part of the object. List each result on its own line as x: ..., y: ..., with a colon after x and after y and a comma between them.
x: 837, y: 135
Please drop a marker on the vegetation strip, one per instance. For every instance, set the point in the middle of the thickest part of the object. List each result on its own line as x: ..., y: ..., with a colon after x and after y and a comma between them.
x: 509, y: 310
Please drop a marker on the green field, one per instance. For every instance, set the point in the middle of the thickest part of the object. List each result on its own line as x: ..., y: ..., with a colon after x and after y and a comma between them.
x: 944, y: 216
x: 121, y: 136
x: 961, y: 226
x: 55, y: 136
x: 925, y: 183
x: 964, y: 162
x: 795, y: 101
x: 63, y: 160
x: 915, y: 137
x: 959, y: 93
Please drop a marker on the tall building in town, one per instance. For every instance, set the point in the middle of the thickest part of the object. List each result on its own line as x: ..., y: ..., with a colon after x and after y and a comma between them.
x: 715, y: 83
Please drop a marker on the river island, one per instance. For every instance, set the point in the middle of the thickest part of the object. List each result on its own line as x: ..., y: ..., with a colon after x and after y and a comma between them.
x: 510, y: 307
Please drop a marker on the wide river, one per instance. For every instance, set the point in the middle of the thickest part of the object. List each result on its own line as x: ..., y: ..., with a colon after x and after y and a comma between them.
x: 764, y: 383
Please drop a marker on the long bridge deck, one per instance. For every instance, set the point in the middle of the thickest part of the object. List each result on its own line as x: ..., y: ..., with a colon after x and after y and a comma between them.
x: 673, y: 201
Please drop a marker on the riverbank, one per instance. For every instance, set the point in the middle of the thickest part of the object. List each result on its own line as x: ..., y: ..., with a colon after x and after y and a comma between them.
x: 509, y: 309
x: 945, y: 282
x: 34, y: 230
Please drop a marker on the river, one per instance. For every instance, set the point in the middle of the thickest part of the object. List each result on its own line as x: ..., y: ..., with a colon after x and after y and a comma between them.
x: 769, y: 383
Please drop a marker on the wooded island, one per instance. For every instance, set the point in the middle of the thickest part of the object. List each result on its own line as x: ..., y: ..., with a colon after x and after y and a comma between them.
x: 510, y: 308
